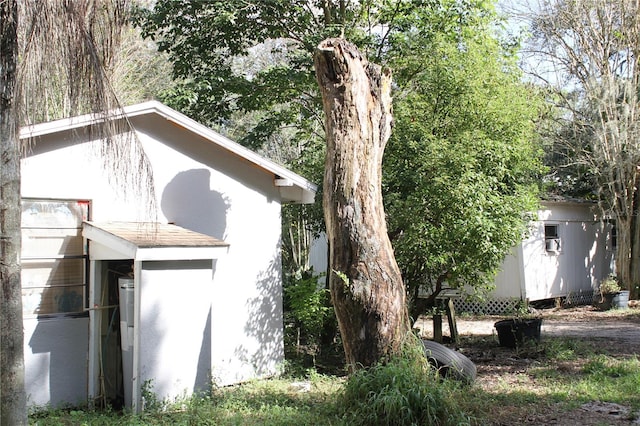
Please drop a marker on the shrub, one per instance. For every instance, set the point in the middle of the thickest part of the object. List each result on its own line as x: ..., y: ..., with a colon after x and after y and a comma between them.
x: 609, y: 285
x: 307, y: 301
x: 307, y: 310
x: 403, y: 391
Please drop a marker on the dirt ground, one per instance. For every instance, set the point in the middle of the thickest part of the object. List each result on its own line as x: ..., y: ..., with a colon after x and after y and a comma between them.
x: 498, y: 368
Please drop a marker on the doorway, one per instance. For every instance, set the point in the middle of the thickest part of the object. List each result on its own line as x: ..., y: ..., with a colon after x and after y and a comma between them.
x: 110, y: 347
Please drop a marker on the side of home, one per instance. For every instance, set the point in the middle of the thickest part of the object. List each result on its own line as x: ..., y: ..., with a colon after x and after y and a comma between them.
x: 201, y: 271
x: 566, y: 253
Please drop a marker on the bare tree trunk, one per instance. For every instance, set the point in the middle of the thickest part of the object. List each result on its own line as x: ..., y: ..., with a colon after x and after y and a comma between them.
x: 13, y: 404
x: 623, y: 252
x: 71, y: 41
x: 634, y: 261
x: 366, y: 286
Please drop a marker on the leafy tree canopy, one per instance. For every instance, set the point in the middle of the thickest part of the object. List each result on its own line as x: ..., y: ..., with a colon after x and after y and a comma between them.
x: 256, y: 57
x: 462, y: 165
x: 589, y: 63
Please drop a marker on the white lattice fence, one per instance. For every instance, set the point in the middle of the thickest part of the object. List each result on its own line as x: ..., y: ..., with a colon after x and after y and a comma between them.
x: 508, y: 305
x: 581, y: 298
x: 487, y: 307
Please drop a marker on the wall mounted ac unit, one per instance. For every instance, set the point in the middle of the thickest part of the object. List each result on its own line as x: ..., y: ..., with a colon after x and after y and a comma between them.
x: 552, y: 244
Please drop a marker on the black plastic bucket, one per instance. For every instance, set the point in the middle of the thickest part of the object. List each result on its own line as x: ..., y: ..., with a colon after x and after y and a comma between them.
x: 515, y: 332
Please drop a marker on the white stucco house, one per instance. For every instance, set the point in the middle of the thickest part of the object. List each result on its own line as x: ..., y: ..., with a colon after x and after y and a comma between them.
x: 121, y: 299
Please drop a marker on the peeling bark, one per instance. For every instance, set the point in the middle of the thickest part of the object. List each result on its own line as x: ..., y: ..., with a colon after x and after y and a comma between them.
x: 366, y: 285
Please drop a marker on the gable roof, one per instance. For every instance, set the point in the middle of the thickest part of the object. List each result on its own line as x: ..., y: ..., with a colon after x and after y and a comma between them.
x: 293, y: 187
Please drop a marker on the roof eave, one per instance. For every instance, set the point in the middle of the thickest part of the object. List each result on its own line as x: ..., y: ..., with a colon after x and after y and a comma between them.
x: 307, y: 189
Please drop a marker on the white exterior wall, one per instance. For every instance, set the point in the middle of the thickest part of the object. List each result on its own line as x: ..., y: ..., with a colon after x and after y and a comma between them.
x: 583, y: 260
x: 222, y: 196
x: 175, y: 327
x: 529, y: 271
x: 56, y: 352
x: 319, y: 257
x: 246, y: 322
x: 509, y: 283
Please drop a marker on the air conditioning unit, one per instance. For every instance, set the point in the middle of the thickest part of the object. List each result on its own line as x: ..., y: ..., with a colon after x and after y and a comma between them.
x: 552, y: 244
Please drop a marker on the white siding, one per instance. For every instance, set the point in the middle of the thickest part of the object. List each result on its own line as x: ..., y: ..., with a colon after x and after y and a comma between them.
x: 175, y: 327
x: 508, y: 282
x: 583, y: 260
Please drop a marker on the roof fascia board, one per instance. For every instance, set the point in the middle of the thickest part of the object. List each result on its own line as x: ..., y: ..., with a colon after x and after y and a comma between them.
x: 180, y: 253
x: 110, y: 241
x: 65, y: 124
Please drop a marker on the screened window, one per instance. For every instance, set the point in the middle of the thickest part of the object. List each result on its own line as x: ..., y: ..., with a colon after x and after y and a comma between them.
x: 54, y: 256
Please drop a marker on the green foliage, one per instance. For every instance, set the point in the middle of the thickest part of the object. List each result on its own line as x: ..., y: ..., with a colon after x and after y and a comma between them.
x: 138, y: 72
x: 300, y: 226
x: 461, y: 167
x: 601, y: 378
x: 239, y: 56
x: 150, y: 400
x: 604, y: 366
x: 270, y: 402
x: 307, y: 302
x: 594, y: 136
x: 572, y: 372
x: 610, y: 285
x: 402, y: 391
x: 566, y: 349
x: 310, y: 325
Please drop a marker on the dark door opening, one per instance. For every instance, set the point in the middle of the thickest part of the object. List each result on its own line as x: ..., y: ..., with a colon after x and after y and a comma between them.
x: 111, y: 371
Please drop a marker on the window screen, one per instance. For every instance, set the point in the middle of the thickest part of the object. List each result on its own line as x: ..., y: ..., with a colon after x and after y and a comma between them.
x: 54, y: 256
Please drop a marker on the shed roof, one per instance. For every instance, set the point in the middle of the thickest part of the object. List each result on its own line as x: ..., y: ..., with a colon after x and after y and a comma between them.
x: 293, y: 187
x: 151, y: 241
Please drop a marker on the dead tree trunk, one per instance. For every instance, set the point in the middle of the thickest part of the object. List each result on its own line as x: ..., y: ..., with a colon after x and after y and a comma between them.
x: 13, y: 408
x: 366, y: 286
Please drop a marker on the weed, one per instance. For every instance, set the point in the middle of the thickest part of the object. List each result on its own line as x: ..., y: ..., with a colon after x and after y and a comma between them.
x: 402, y: 391
x: 566, y: 349
x: 566, y: 374
x: 150, y: 401
x: 603, y: 366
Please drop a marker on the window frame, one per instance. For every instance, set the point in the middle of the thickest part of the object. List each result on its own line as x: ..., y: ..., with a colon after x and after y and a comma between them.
x: 552, y: 240
x: 79, y: 251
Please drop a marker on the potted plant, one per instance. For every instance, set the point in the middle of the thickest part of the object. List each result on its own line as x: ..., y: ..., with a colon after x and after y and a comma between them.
x: 524, y: 327
x: 612, y: 295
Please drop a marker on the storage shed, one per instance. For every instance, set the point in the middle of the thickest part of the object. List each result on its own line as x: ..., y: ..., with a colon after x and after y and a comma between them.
x: 120, y: 299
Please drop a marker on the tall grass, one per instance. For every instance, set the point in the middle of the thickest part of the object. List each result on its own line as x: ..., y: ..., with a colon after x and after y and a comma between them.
x: 403, y: 391
x: 266, y: 402
x: 565, y: 374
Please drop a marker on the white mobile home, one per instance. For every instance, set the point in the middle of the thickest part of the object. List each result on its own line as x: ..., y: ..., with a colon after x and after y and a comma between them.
x: 568, y: 251
x: 120, y: 298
